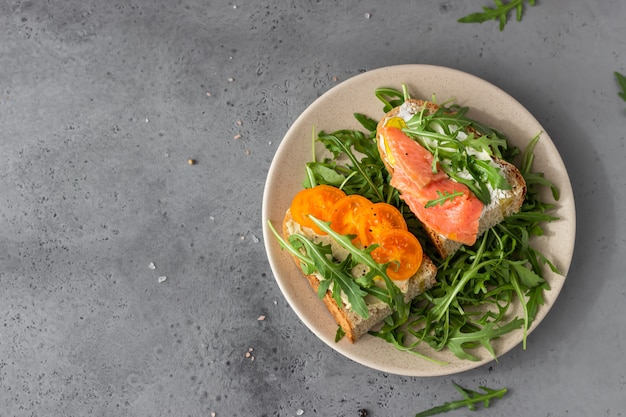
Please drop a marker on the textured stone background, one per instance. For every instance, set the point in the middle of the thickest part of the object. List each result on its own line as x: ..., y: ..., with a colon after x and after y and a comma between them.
x: 101, y: 105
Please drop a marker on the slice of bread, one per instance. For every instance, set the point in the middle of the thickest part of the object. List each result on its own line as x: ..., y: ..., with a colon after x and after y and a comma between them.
x: 353, y: 325
x: 504, y: 203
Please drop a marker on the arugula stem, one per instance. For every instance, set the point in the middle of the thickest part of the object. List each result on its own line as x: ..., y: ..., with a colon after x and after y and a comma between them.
x: 470, y: 398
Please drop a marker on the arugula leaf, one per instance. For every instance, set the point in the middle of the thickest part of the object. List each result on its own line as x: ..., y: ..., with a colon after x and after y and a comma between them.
x: 470, y: 398
x: 500, y: 12
x: 459, y: 341
x: 336, y: 276
x: 621, y: 80
x: 444, y: 133
x: 443, y: 197
x: 376, y: 270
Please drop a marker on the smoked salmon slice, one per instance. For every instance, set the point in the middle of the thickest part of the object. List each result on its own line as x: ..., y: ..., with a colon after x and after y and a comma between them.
x: 457, y: 218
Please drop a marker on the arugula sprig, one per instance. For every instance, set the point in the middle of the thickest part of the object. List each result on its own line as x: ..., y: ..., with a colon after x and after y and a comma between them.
x: 500, y: 12
x: 361, y: 170
x: 621, y: 80
x: 445, y: 134
x: 335, y: 275
x: 470, y: 399
x: 443, y: 197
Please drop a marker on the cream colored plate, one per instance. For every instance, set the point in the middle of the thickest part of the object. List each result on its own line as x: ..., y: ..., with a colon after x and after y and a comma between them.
x: 334, y: 110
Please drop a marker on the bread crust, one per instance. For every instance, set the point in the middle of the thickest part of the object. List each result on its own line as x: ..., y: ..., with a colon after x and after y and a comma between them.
x: 353, y: 325
x: 492, y: 215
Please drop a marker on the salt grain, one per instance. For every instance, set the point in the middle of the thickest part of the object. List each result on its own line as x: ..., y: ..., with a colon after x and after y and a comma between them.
x: 299, y: 412
x: 162, y: 279
x: 261, y: 318
x: 237, y: 136
x: 151, y: 265
x: 255, y: 239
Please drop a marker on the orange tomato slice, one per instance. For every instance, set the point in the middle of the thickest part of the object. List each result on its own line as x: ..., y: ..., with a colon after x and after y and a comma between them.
x: 401, y: 250
x: 345, y: 214
x: 377, y: 218
x: 318, y: 202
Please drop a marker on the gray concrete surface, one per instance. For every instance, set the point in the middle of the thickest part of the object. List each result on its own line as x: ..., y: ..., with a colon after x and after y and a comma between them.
x: 103, y: 103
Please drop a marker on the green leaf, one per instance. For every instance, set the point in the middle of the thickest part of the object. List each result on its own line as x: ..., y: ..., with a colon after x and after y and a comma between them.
x: 443, y: 197
x: 460, y: 340
x: 337, y: 273
x: 470, y: 398
x: 362, y: 256
x: 340, y: 334
x: 366, y: 122
x: 621, y: 80
x: 500, y: 12
x: 321, y: 173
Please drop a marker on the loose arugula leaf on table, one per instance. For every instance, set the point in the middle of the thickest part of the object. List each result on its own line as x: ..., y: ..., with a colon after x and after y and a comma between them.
x: 500, y: 12
x: 470, y: 399
x: 621, y: 80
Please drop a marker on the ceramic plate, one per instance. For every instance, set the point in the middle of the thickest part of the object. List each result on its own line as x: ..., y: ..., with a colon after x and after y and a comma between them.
x: 334, y: 110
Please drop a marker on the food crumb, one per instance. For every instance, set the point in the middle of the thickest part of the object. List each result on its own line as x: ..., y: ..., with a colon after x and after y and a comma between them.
x: 247, y: 151
x: 299, y: 412
x: 213, y: 414
x: 162, y: 279
x: 261, y: 318
x: 231, y: 79
x: 237, y: 136
x: 249, y: 354
x: 191, y: 161
x: 208, y: 94
x: 239, y: 122
x: 368, y: 15
x: 255, y: 239
x: 151, y: 265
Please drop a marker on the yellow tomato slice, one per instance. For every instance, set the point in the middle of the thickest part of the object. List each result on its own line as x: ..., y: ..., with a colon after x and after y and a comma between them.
x: 318, y: 202
x: 345, y: 214
x: 401, y: 250
x: 377, y: 218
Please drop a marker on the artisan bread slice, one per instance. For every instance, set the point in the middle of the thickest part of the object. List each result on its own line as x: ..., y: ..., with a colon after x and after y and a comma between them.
x: 353, y: 325
x: 504, y: 202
